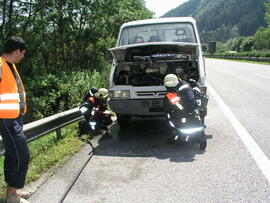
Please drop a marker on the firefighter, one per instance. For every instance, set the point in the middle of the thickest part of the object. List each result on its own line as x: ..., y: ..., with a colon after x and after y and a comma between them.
x: 179, y: 102
x: 175, y: 85
x: 97, y: 97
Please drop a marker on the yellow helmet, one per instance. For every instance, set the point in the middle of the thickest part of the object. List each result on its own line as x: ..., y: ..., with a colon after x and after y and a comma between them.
x: 102, y: 92
x: 170, y: 80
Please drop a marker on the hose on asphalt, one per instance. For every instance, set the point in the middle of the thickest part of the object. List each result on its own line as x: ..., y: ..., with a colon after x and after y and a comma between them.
x: 91, y: 153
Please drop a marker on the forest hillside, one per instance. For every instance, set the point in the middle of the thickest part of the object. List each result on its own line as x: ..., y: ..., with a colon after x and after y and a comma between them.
x: 221, y: 20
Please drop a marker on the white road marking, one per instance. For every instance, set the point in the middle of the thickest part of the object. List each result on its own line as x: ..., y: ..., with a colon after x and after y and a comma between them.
x: 256, y: 152
x: 262, y: 76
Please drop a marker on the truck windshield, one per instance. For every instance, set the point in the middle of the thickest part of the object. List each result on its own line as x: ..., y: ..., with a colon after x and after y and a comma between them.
x: 165, y: 32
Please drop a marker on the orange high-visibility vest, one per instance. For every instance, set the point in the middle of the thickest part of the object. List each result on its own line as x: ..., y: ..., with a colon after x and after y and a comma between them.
x: 9, y: 94
x: 173, y: 97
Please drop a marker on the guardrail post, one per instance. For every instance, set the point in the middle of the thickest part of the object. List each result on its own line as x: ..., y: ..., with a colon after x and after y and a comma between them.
x: 58, y: 134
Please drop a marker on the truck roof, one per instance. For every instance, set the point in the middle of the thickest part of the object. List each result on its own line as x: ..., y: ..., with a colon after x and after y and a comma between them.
x: 160, y: 20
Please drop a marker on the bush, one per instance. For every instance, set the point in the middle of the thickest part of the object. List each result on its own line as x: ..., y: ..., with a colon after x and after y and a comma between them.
x: 237, y: 44
x: 247, y: 44
x: 222, y: 47
x: 48, y: 93
x: 262, y: 39
x: 240, y: 44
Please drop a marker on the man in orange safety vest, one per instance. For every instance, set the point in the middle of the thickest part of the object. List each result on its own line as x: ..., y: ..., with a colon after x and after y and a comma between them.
x: 12, y: 108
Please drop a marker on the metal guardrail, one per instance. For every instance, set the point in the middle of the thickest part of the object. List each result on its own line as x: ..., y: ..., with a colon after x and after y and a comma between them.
x: 44, y: 126
x: 259, y: 59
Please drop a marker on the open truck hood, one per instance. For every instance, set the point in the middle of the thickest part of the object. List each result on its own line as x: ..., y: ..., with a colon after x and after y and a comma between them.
x: 127, y: 53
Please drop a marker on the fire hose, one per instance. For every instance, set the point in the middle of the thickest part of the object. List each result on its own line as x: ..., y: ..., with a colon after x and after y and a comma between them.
x: 91, y: 153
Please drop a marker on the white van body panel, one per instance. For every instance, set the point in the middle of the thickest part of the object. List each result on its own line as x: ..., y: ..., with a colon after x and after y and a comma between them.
x: 147, y: 100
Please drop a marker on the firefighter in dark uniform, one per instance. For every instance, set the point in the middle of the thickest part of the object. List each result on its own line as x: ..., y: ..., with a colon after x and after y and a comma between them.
x: 180, y: 98
x: 180, y: 87
x: 96, y: 98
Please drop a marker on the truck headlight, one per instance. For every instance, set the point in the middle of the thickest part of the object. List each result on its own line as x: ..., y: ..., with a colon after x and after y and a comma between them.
x: 119, y: 94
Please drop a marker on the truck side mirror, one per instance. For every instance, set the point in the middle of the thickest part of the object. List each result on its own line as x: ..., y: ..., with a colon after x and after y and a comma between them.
x: 204, y: 48
x: 212, y: 47
x: 108, y: 56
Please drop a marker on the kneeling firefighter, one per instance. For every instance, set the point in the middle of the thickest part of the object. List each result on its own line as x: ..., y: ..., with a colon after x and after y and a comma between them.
x: 181, y: 109
x: 95, y: 111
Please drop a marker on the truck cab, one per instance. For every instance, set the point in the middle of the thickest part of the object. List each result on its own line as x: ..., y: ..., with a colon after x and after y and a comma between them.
x: 146, y: 51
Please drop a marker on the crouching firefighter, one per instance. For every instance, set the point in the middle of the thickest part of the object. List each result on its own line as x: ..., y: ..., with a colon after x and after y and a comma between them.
x: 94, y: 109
x: 181, y: 110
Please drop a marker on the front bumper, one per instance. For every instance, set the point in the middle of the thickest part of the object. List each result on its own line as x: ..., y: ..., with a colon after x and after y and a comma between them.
x: 137, y: 107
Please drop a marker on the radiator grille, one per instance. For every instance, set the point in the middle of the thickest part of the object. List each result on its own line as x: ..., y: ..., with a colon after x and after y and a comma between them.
x: 156, y: 104
x: 150, y: 93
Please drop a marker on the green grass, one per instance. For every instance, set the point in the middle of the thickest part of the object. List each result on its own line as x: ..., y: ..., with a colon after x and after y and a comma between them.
x: 47, y: 154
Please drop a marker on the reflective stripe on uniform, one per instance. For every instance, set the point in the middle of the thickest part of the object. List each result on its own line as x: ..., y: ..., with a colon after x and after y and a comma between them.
x: 9, y: 106
x: 183, y: 87
x: 9, y: 96
x: 197, y: 89
x: 175, y: 99
x: 179, y: 106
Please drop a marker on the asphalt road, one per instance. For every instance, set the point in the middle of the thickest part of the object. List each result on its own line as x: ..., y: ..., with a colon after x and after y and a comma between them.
x: 137, y: 165
x: 245, y: 88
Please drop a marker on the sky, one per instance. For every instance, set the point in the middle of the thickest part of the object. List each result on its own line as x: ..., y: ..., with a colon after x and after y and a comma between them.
x: 160, y: 7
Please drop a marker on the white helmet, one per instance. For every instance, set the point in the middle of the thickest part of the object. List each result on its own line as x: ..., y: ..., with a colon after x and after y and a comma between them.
x: 170, y: 80
x: 102, y: 92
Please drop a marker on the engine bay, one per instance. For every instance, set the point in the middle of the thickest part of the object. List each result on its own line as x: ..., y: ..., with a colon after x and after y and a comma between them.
x: 151, y: 70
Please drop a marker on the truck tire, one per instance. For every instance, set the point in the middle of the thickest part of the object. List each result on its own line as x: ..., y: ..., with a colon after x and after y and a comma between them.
x: 123, y: 120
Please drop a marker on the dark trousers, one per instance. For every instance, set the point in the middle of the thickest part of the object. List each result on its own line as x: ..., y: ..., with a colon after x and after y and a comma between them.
x: 16, y: 152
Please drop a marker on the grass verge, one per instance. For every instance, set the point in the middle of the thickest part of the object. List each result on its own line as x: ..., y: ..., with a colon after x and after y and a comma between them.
x: 47, y: 154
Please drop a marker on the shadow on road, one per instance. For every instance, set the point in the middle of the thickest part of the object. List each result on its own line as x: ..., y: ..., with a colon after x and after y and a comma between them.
x: 145, y: 138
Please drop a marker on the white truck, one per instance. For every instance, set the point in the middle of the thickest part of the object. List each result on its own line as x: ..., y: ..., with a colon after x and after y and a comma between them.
x: 146, y: 51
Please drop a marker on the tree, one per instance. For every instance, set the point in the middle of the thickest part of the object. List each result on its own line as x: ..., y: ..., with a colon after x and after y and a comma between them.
x: 247, y: 44
x: 262, y: 39
x: 214, y: 15
x: 267, y: 13
x: 65, y: 38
